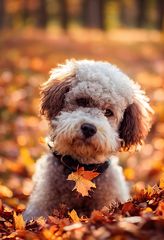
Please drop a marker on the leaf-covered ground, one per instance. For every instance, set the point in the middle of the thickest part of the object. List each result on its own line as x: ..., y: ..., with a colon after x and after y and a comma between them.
x: 25, y: 60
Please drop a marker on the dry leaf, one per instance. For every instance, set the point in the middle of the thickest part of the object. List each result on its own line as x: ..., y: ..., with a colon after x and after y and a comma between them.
x: 5, y: 191
x: 1, y: 206
x: 129, y: 173
x: 73, y: 215
x: 82, y: 180
x: 42, y: 140
x: 19, y: 221
x: 160, y: 209
x: 148, y: 209
x: 161, y: 184
x: 149, y: 190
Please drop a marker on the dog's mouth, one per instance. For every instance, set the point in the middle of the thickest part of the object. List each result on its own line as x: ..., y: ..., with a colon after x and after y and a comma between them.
x: 88, y: 151
x: 80, y: 142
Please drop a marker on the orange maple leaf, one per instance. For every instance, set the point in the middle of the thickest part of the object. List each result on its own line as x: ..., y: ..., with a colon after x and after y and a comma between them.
x: 82, y: 180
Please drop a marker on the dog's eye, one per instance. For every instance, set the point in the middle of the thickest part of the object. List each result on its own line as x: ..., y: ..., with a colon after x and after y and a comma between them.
x: 82, y: 102
x: 108, y: 113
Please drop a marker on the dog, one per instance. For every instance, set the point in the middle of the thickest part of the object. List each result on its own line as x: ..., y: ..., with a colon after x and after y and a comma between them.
x: 94, y: 110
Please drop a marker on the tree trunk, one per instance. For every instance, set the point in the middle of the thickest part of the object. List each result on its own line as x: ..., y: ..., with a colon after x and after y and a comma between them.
x: 2, y: 13
x: 42, y: 14
x: 141, y: 16
x: 160, y: 14
x: 25, y: 11
x: 122, y: 12
x: 93, y: 13
x: 63, y: 10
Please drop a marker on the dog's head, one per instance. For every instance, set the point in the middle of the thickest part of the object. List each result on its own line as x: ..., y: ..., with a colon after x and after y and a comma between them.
x: 94, y: 110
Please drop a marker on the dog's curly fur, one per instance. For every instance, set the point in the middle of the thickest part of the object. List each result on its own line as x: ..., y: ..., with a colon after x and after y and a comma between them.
x: 99, y: 94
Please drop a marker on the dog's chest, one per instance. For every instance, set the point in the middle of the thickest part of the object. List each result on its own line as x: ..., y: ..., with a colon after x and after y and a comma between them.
x: 62, y: 188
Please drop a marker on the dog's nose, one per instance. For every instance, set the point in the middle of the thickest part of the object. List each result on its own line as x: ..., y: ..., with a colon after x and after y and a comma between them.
x: 88, y: 129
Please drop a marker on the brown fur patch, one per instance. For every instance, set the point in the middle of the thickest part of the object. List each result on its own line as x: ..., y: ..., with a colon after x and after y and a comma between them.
x: 53, y: 95
x: 134, y: 126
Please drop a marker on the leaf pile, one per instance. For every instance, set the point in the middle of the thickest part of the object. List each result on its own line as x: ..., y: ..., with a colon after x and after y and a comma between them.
x: 141, y: 218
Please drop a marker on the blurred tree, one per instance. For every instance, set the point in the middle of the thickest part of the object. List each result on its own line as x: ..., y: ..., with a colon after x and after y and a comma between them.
x: 127, y: 12
x: 160, y: 14
x: 63, y: 13
x: 2, y: 13
x: 93, y: 13
x: 122, y: 12
x: 25, y: 11
x: 141, y: 16
x: 42, y: 16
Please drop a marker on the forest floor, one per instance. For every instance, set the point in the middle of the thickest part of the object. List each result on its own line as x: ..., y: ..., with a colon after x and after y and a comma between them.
x: 26, y: 57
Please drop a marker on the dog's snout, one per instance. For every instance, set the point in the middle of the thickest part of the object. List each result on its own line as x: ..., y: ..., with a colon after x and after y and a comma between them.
x: 88, y: 129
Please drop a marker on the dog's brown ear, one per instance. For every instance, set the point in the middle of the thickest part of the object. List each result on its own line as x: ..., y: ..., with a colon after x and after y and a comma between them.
x: 135, y: 125
x: 54, y: 90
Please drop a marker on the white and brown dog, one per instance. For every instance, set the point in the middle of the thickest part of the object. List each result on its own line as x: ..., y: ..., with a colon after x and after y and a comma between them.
x: 94, y: 110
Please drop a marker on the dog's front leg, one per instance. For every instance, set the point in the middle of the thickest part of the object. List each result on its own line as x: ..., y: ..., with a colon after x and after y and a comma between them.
x: 111, y: 186
x: 43, y: 198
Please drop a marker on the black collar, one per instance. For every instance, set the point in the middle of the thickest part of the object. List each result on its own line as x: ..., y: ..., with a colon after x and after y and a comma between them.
x: 71, y: 164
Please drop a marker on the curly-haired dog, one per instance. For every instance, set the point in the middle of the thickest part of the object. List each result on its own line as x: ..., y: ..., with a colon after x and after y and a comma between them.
x: 94, y: 110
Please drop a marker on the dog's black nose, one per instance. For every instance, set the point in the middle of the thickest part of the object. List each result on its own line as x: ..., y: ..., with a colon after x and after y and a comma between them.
x: 88, y: 129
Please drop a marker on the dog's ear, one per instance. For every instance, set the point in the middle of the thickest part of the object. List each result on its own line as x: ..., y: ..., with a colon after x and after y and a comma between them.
x: 136, y: 122
x: 53, y: 91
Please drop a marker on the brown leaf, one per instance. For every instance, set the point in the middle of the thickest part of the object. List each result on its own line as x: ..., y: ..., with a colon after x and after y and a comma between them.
x: 129, y: 209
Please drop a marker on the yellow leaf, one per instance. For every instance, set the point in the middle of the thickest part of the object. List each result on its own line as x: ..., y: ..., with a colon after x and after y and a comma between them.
x: 42, y: 140
x: 161, y: 183
x: 19, y: 221
x: 73, y: 215
x: 82, y: 180
x: 5, y: 191
x: 12, y: 236
x: 129, y: 173
x: 150, y: 190
x: 147, y: 210
x: 25, y: 157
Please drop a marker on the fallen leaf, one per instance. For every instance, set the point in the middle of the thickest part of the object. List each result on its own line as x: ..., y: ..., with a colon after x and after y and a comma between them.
x: 147, y: 212
x: 160, y: 209
x: 42, y: 140
x: 73, y: 215
x: 161, y: 183
x: 129, y: 173
x: 149, y: 190
x: 1, y: 206
x: 5, y: 192
x: 19, y: 221
x: 82, y: 180
x: 129, y: 209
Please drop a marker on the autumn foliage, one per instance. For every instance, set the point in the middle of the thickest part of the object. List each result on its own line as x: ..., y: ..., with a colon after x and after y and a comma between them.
x: 25, y: 60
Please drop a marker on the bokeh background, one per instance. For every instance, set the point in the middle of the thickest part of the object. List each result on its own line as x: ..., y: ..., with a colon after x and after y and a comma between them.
x: 36, y: 35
